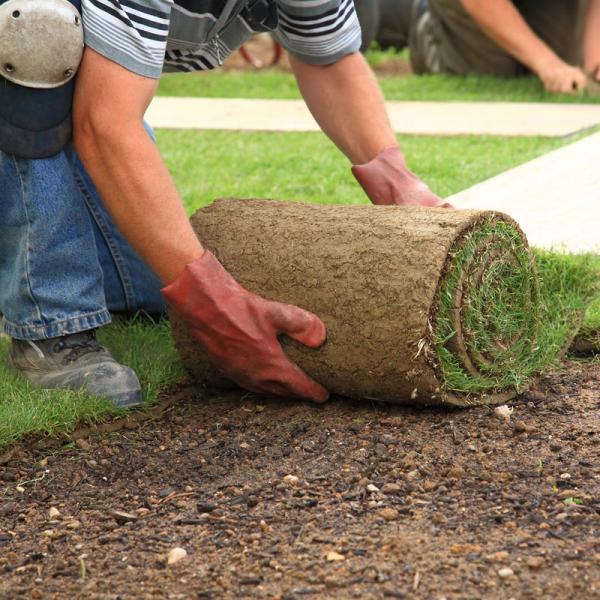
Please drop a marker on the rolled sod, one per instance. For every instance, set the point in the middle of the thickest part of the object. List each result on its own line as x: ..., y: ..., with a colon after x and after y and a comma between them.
x: 422, y: 306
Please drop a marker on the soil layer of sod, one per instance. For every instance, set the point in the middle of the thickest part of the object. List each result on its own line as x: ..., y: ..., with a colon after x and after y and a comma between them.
x: 421, y: 306
x: 389, y: 502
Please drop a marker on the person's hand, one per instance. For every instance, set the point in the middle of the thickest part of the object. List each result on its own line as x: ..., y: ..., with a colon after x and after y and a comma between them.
x: 559, y: 77
x: 239, y: 330
x: 593, y: 83
x: 387, y: 180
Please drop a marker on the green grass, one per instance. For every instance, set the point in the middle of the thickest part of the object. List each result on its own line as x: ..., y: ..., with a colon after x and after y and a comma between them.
x: 206, y: 165
x: 26, y: 410
x: 306, y: 166
x: 273, y: 83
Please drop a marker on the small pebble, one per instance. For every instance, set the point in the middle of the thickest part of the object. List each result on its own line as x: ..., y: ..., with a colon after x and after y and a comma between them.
x: 535, y: 562
x: 53, y: 512
x: 499, y: 556
x: 503, y: 412
x: 175, y: 555
x: 123, y: 517
x: 83, y: 444
x: 391, y: 488
x: 291, y: 479
x: 251, y: 501
x: 264, y: 526
x: 372, y: 489
x: 335, y: 557
x: 455, y: 472
x: 521, y: 427
x: 505, y: 572
x: 387, y: 513
x: 439, y: 519
x: 205, y: 507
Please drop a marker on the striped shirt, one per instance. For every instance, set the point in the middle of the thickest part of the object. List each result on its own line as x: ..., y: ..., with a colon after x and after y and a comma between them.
x: 149, y: 37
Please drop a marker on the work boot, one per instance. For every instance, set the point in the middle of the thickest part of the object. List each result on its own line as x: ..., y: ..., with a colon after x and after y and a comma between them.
x: 75, y: 362
x: 422, y: 42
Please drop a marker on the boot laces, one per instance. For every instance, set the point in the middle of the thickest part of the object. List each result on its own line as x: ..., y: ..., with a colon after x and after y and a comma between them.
x: 78, y: 348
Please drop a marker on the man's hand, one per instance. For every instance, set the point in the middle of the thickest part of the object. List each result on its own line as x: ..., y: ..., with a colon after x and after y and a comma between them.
x: 346, y: 101
x: 559, y: 77
x: 387, y: 180
x: 504, y: 24
x: 240, y: 330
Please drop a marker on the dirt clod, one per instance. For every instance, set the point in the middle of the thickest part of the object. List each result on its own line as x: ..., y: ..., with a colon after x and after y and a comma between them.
x: 389, y: 514
x: 535, y: 562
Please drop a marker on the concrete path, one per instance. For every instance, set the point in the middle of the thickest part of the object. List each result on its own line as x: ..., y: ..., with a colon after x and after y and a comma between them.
x: 420, y: 118
x: 555, y: 198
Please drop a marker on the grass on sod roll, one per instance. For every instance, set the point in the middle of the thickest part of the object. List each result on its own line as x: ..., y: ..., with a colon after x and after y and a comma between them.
x: 206, y: 165
x: 516, y: 315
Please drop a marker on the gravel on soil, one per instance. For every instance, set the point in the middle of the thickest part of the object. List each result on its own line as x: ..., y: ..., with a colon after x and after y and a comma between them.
x: 247, y: 497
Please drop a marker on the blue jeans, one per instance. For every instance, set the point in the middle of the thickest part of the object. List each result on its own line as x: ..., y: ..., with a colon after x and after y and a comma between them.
x: 64, y: 266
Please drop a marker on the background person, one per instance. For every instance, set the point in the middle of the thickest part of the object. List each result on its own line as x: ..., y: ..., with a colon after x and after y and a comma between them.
x: 558, y: 40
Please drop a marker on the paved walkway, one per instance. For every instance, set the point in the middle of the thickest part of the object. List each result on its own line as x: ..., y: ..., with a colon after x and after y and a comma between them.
x: 419, y: 118
x: 555, y: 198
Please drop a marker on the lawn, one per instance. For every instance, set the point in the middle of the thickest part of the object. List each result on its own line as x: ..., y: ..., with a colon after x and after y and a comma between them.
x: 295, y: 166
x: 274, y: 83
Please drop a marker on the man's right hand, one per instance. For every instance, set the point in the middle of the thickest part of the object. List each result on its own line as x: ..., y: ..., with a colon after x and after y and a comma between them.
x: 240, y: 330
x: 559, y: 77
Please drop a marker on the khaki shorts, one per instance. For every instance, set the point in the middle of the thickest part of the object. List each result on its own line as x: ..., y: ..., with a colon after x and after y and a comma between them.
x: 447, y: 40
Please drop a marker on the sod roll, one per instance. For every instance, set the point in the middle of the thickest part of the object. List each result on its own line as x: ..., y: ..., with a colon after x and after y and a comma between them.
x: 422, y: 306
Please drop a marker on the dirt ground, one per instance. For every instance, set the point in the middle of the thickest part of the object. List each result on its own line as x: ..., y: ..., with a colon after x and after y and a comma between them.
x: 274, y: 499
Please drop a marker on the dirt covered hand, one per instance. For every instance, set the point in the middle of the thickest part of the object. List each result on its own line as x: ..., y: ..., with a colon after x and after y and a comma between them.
x: 240, y: 330
x: 387, y: 180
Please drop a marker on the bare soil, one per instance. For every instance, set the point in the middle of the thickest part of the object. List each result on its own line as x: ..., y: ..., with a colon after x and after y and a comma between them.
x: 389, y: 501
